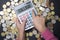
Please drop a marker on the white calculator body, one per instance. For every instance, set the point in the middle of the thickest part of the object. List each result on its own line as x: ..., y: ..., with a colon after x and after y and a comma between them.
x: 24, y: 11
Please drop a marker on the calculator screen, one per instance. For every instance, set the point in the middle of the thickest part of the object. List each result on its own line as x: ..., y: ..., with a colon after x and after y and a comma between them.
x: 27, y: 6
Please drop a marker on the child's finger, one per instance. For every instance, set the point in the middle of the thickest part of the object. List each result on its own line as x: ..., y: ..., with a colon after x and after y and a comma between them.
x: 24, y: 22
x: 17, y: 22
x: 33, y: 15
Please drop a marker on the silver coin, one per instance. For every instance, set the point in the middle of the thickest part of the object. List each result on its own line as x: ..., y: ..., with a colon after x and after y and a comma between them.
x: 14, y: 25
x: 44, y: 14
x: 47, y: 10
x: 42, y: 9
x: 4, y: 25
x: 8, y: 36
x: 53, y: 21
x: 15, y: 0
x: 4, y: 29
x: 1, y: 13
x: 56, y: 17
x: 2, y: 20
x: 5, y: 39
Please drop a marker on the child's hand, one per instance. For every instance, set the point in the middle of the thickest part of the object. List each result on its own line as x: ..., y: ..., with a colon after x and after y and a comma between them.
x: 21, y: 29
x: 39, y: 22
x: 20, y: 26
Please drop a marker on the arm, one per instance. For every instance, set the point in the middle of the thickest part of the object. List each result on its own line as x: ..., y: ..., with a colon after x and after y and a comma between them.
x: 39, y: 23
x: 48, y: 35
x: 21, y: 30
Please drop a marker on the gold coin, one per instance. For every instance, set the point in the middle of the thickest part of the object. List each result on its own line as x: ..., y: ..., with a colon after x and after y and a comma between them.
x: 52, y: 17
x: 12, y: 28
x: 6, y: 32
x: 8, y: 10
x: 35, y: 1
x: 40, y: 12
x: 13, y: 31
x: 8, y: 3
x: 4, y: 10
x: 41, y: 1
x: 4, y: 6
x: 48, y: 17
x: 52, y: 7
x: 49, y: 14
x: 9, y: 29
x: 52, y: 12
x: 3, y: 34
x: 27, y: 34
x: 14, y: 15
x: 30, y: 34
x: 25, y: 0
x: 27, y: 39
x: 13, y: 11
x: 37, y: 35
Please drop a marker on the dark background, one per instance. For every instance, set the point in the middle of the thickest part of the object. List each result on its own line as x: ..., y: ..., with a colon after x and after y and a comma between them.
x: 57, y: 11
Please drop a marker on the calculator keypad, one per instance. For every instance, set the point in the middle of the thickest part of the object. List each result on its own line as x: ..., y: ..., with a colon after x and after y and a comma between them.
x: 29, y: 20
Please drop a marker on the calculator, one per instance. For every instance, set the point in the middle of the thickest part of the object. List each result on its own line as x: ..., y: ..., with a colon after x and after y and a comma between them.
x: 24, y: 11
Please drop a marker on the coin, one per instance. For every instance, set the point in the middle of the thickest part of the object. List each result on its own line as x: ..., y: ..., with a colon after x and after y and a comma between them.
x: 56, y: 17
x: 52, y: 4
x: 53, y: 21
x: 13, y: 11
x: 52, y: 7
x: 5, y: 39
x: 49, y: 14
x: 44, y: 14
x: 8, y: 3
x: 30, y: 34
x: 41, y: 1
x: 27, y: 39
x: 52, y: 12
x: 48, y: 17
x: 8, y: 36
x: 35, y: 1
x: 42, y: 9
x: 34, y: 32
x: 15, y: 0
x: 4, y: 25
x: 8, y: 10
x: 16, y: 4
x: 47, y: 10
x: 37, y: 35
x: 2, y: 20
x: 4, y: 29
x: 4, y: 10
x: 4, y: 6
x: 3, y: 34
x: 12, y: 2
x: 1, y: 13
x: 27, y: 34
